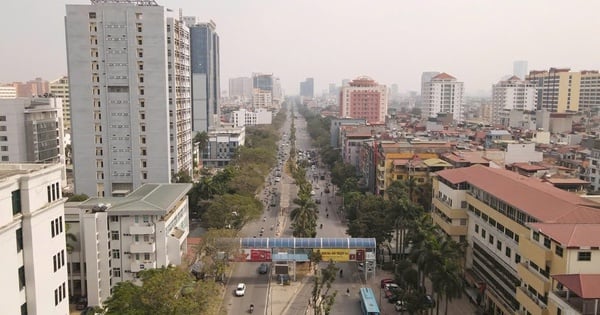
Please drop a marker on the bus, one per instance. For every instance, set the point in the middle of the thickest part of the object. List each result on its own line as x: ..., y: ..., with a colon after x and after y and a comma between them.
x: 368, y: 304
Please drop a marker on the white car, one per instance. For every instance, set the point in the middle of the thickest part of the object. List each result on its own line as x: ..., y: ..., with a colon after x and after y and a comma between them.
x: 240, y: 290
x: 277, y: 179
x: 312, y: 193
x: 361, y: 267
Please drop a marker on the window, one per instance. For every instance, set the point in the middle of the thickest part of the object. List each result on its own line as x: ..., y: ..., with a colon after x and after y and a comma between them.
x: 116, y: 254
x: 114, y: 235
x: 92, y: 15
x: 21, y: 277
x: 517, y: 258
x: 499, y: 245
x: 19, y: 238
x: 146, y: 256
x: 114, y: 218
x: 24, y: 308
x: 584, y: 256
x: 2, y: 118
x: 4, y: 148
x: 536, y: 236
x: 491, y: 239
x: 507, y: 252
x: 3, y: 138
x: 16, y: 202
x: 547, y: 242
x: 146, y: 219
x: 483, y: 233
x: 116, y: 272
x: 559, y: 251
x: 476, y: 228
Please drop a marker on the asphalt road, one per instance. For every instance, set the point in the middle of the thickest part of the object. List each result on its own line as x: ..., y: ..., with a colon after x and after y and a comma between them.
x: 247, y: 272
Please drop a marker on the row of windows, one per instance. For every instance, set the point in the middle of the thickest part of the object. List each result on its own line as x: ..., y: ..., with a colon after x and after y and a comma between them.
x: 509, y: 233
x: 507, y: 251
x: 59, y: 260
x: 60, y: 294
x: 56, y: 226
x: 53, y: 192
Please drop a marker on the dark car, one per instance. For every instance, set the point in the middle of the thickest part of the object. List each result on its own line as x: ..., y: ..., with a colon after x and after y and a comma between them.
x: 81, y: 303
x: 429, y: 301
x: 327, y: 190
x: 263, y: 268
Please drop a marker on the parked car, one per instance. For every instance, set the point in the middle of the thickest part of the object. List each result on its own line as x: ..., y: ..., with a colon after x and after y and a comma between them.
x: 429, y: 301
x: 318, y: 201
x: 263, y: 268
x: 81, y: 303
x: 385, y: 281
x: 400, y: 306
x: 326, y: 190
x: 361, y: 267
x: 240, y: 290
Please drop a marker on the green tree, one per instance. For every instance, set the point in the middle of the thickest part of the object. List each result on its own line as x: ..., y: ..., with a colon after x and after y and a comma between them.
x: 323, y: 297
x: 167, y: 290
x: 231, y: 210
x: 182, y: 176
x: 215, y: 250
x: 77, y: 198
x: 201, y: 140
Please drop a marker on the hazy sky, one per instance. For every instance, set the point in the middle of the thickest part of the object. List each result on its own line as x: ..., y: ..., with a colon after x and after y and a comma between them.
x: 391, y: 41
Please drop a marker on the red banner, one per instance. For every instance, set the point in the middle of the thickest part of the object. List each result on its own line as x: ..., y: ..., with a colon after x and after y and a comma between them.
x: 260, y: 255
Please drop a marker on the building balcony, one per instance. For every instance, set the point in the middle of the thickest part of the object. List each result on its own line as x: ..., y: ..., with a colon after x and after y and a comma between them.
x: 144, y: 228
x: 454, y: 213
x: 534, y: 252
x: 532, y: 303
x: 142, y: 247
x: 449, y: 228
x: 138, y: 265
x: 576, y: 303
x: 533, y: 278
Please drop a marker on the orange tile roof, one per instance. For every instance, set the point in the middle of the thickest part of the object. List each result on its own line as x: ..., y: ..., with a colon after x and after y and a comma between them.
x: 455, y: 175
x: 586, y: 286
x: 443, y: 76
x: 571, y: 234
x: 540, y: 200
x: 529, y: 167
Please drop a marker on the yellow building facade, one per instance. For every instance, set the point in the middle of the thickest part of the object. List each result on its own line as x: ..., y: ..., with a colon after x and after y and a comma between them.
x: 509, y: 257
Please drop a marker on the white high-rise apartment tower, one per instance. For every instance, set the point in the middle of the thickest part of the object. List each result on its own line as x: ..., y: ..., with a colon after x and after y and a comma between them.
x: 514, y: 93
x: 443, y: 94
x: 129, y: 81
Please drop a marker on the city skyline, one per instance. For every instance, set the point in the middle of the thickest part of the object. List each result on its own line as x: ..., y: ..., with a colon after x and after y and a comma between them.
x: 332, y: 40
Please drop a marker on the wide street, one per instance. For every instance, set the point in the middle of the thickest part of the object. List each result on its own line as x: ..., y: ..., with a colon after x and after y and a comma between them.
x: 263, y: 291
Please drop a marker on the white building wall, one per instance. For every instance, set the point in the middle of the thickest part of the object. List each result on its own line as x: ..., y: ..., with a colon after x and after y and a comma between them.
x: 443, y: 96
x: 130, y: 144
x: 522, y: 153
x: 40, y: 216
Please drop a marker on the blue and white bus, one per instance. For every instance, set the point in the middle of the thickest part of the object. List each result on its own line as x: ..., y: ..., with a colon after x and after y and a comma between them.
x: 368, y: 303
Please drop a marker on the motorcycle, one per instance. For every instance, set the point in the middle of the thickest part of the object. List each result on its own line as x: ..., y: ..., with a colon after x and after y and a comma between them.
x: 251, y: 308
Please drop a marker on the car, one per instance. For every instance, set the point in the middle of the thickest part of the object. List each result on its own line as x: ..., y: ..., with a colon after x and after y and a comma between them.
x: 81, y: 303
x: 312, y: 193
x: 326, y: 190
x: 361, y: 267
x: 386, y: 281
x: 318, y: 201
x: 400, y: 306
x: 263, y: 268
x: 391, y: 287
x: 277, y: 179
x: 240, y: 290
x: 429, y: 301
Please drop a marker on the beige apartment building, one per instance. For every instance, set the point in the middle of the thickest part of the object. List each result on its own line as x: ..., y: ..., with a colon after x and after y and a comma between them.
x: 528, y: 241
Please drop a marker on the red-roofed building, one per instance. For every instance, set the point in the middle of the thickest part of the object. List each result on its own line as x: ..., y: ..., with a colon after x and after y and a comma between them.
x: 520, y: 230
x: 575, y: 294
x: 364, y: 98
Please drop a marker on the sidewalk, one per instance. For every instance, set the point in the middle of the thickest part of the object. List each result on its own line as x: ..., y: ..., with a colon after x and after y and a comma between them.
x: 282, y: 296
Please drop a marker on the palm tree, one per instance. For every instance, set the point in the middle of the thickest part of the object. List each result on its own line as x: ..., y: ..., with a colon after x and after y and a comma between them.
x: 304, y: 217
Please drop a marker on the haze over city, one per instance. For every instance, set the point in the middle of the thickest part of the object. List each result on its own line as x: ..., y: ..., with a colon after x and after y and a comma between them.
x: 391, y: 41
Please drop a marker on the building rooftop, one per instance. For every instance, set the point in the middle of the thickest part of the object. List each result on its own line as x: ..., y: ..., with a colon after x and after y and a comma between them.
x: 540, y: 200
x: 571, y: 235
x: 11, y: 169
x: 586, y: 286
x: 147, y: 199
x: 443, y: 76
